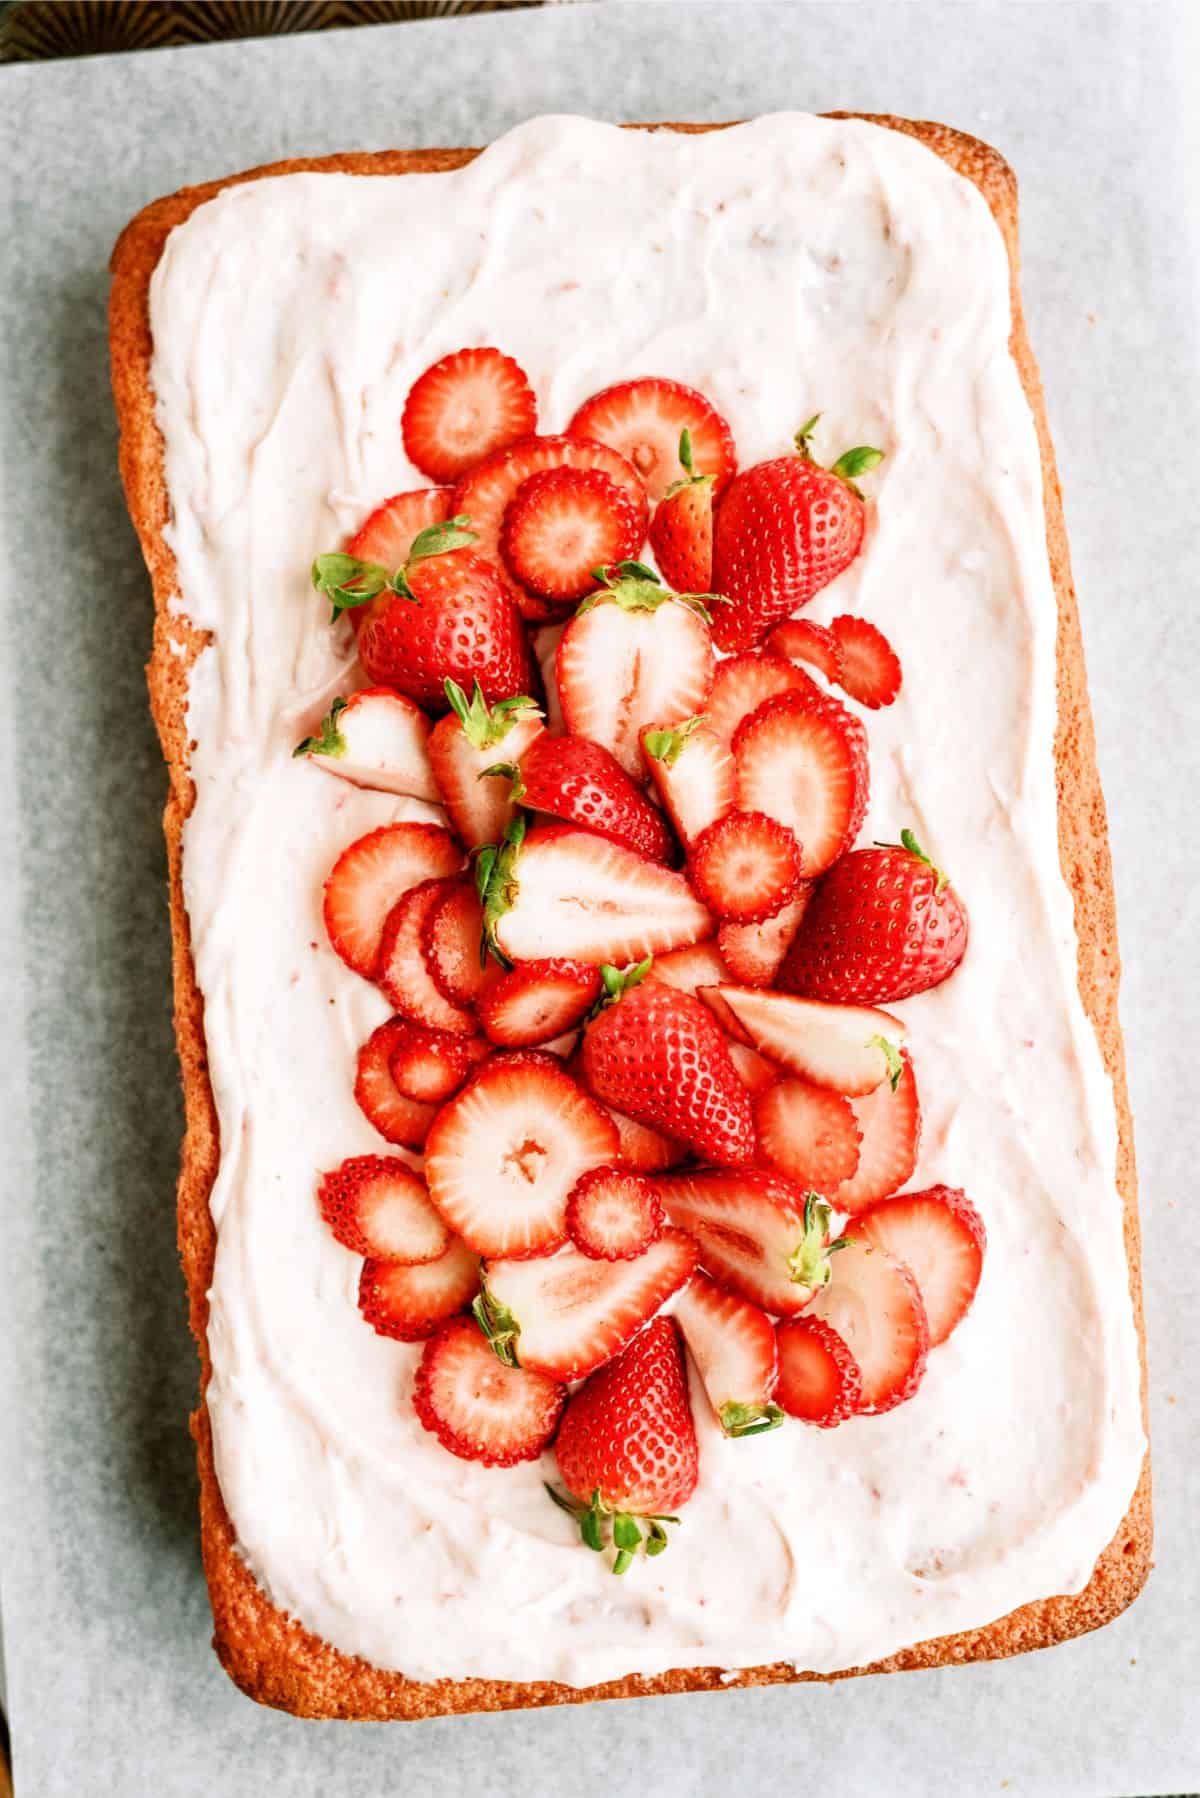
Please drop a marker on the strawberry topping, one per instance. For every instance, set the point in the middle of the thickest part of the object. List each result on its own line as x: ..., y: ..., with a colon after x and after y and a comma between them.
x: 645, y: 419
x: 463, y: 408
x: 563, y: 523
x: 476, y: 1407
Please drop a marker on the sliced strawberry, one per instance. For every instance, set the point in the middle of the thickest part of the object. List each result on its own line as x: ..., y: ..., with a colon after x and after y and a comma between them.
x: 759, y: 1233
x: 803, y: 760
x: 466, y: 406
x: 502, y: 1157
x: 819, y: 1379
x: 694, y: 773
x: 754, y: 953
x: 387, y: 535
x: 583, y: 783
x: 645, y: 419
x: 545, y: 648
x: 452, y: 944
x: 800, y: 640
x: 397, y: 1118
x: 745, y: 867
x: 376, y: 739
x: 403, y: 971
x: 870, y: 667
x: 874, y: 1304
x: 538, y: 1001
x: 940, y: 1237
x: 564, y: 522
x: 732, y: 1343
x: 847, y: 1047
x: 476, y: 1407
x: 408, y: 1303
x: 377, y: 1205
x: 431, y: 1065
x: 613, y: 1214
x: 808, y: 1133
x: 371, y: 875
x: 889, y: 1123
x: 471, y: 738
x: 742, y: 683
x: 755, y: 1072
x: 565, y: 1314
x: 689, y: 969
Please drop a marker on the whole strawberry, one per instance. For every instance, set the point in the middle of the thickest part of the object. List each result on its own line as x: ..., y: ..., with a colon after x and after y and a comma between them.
x: 445, y: 615
x: 681, y: 532
x: 784, y: 530
x: 626, y: 1447
x: 882, y: 924
x: 658, y: 1055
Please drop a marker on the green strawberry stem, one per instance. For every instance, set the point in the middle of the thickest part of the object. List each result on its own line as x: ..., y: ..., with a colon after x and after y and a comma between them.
x: 510, y: 771
x: 636, y: 588
x: 482, y: 724
x: 891, y: 1054
x: 627, y: 1536
x: 496, y: 883
x: 346, y: 581
x: 498, y: 1325
x: 668, y: 745
x: 750, y: 1420
x: 809, y: 1263
x: 617, y: 982
x: 329, y: 739
x: 849, y: 465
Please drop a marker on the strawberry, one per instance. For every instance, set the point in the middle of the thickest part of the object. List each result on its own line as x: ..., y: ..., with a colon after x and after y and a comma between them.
x: 645, y: 421
x: 883, y: 924
x: 801, y: 640
x: 403, y: 971
x: 371, y: 875
x: 742, y: 683
x: 377, y: 1205
x: 566, y: 1314
x: 467, y: 742
x: 819, y: 1379
x: 760, y: 1234
x: 565, y: 892
x: 484, y: 495
x: 657, y: 1055
x: 745, y: 867
x: 545, y: 646
x: 633, y: 653
x: 644, y: 1150
x: 626, y: 1448
x: 398, y: 1119
x: 754, y: 953
x: 582, y: 783
x: 681, y: 531
x: 613, y: 1214
x: 869, y: 666
x: 808, y: 1133
x: 408, y: 1303
x: 452, y: 944
x: 889, y: 1123
x: 463, y: 408
x: 874, y: 1304
x: 537, y: 1001
x: 375, y: 739
x: 732, y: 1343
x: 502, y: 1157
x: 430, y: 1066
x: 560, y: 524
x: 476, y: 1407
x: 939, y: 1236
x: 388, y: 534
x: 848, y: 1048
x: 755, y: 1072
x: 802, y: 759
x: 689, y: 969
x: 693, y: 771
x: 783, y: 531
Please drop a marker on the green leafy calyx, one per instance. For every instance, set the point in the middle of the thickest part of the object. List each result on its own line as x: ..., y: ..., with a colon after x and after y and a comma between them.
x: 617, y: 982
x: 346, y: 581
x: 668, y: 745
x: 498, y: 1325
x: 891, y: 1054
x: 809, y: 1263
x: 627, y: 1533
x: 482, y: 724
x: 497, y: 885
x: 329, y: 739
x: 690, y: 477
x: 636, y: 588
x: 750, y: 1420
x: 850, y: 464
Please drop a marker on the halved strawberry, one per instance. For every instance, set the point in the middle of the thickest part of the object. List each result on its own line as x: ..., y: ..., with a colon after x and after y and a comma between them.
x: 408, y: 1303
x: 502, y: 1157
x: 874, y: 1304
x: 744, y: 682
x: 694, y: 773
x: 397, y: 1118
x: 452, y: 944
x: 471, y: 738
x: 386, y: 537
x: 688, y: 969
x: 745, y: 867
x: 800, y: 640
x: 732, y: 1343
x: 476, y: 1407
x: 377, y: 1205
x: 755, y: 1072
x: 754, y: 953
x: 403, y: 971
x: 583, y: 783
x: 371, y: 875
x: 803, y: 760
x: 940, y: 1236
x: 537, y: 1001
x: 466, y: 406
x: 681, y: 531
x: 808, y: 1133
x: 759, y: 1233
x: 613, y: 1214
x: 564, y: 522
x: 870, y: 667
x: 644, y: 420
x: 375, y: 739
x: 565, y: 1314
x: 847, y: 1047
x: 819, y: 1379
x: 889, y: 1123
x: 430, y: 1065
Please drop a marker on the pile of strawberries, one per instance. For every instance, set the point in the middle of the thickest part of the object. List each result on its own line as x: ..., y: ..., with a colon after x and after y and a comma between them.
x: 638, y: 1052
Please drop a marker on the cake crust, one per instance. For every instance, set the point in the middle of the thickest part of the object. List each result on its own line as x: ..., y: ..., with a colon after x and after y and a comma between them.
x: 269, y: 1655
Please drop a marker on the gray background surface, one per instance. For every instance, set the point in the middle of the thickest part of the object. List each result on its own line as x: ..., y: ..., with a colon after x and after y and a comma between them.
x: 111, y: 1685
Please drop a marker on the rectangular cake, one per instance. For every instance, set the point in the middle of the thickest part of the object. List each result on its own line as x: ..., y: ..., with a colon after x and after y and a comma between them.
x: 265, y: 334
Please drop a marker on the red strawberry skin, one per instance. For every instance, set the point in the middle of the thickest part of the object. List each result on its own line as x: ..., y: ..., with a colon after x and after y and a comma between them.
x: 659, y: 1056
x: 681, y: 536
x: 462, y: 626
x: 583, y: 783
x: 563, y: 522
x: 472, y: 402
x: 628, y: 1432
x: 479, y: 1409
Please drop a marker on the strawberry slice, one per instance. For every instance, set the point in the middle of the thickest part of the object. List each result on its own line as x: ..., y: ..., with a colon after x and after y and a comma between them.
x: 801, y: 640
x: 689, y: 969
x: 403, y: 972
x: 430, y: 1066
x: 759, y: 1233
x: 819, y: 1379
x: 386, y: 537
x: 744, y: 682
x: 940, y: 1236
x: 808, y: 1133
x: 502, y: 1157
x: 754, y: 953
x: 464, y: 744
x: 375, y: 739
x: 889, y: 1124
x: 613, y: 1214
x: 745, y: 867
x: 408, y: 1303
x: 803, y: 760
x: 583, y: 783
x: 466, y: 406
x: 645, y: 419
x: 451, y: 944
x: 870, y: 667
x: 397, y: 1118
x: 565, y: 1314
x: 476, y: 1407
x: 732, y: 1343
x: 377, y: 1205
x: 694, y: 773
x: 538, y: 1001
x: 545, y: 648
x: 850, y: 1048
x: 755, y: 1072
x: 371, y: 875
x: 874, y: 1304
x: 564, y: 522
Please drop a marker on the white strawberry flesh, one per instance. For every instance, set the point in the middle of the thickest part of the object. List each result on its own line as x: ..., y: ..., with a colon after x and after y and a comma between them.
x: 940, y: 1236
x: 874, y: 1304
x: 379, y: 740
x: 839, y: 1046
x: 732, y: 1343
